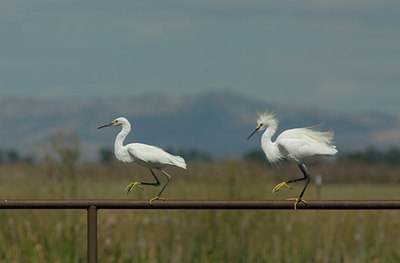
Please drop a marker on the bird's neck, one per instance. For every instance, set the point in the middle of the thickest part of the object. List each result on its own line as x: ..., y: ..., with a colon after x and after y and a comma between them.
x: 270, y: 148
x: 119, y: 141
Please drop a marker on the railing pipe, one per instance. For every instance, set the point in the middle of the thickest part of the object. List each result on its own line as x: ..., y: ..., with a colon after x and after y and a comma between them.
x: 199, y: 204
x: 92, y: 234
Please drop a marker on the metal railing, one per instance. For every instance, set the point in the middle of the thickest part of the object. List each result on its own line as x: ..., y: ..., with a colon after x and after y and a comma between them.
x: 91, y: 206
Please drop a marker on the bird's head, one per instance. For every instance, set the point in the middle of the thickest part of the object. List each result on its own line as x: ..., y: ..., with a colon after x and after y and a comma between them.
x: 117, y: 122
x: 265, y: 120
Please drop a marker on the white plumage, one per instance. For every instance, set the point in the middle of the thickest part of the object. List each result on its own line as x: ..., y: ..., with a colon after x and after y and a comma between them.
x: 148, y: 156
x: 300, y: 145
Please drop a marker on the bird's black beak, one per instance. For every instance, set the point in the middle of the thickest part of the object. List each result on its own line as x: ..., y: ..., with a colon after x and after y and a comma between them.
x: 107, y: 125
x: 255, y: 130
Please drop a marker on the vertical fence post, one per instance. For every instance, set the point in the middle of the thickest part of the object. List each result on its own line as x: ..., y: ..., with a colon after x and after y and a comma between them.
x: 92, y: 234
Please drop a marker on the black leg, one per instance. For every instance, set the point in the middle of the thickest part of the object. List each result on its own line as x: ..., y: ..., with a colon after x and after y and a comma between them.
x: 307, y: 177
x: 286, y: 184
x: 157, y: 183
x: 305, y: 173
x: 138, y: 184
x: 165, y: 185
x: 168, y: 179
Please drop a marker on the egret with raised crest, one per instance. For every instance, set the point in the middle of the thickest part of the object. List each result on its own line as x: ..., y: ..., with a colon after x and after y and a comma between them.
x: 148, y: 156
x: 300, y: 145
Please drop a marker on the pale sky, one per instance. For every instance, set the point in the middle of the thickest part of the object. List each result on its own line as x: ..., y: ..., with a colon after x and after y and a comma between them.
x: 340, y: 55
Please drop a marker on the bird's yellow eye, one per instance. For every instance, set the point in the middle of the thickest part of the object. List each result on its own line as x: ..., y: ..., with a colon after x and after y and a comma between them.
x: 115, y: 122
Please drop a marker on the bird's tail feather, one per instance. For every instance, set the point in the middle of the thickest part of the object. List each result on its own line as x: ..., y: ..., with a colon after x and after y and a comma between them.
x: 178, y: 161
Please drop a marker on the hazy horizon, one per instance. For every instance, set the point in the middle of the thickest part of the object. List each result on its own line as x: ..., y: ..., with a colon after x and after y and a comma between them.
x: 169, y: 98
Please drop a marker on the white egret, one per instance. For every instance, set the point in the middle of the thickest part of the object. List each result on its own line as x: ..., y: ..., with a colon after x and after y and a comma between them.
x: 145, y: 155
x: 300, y: 145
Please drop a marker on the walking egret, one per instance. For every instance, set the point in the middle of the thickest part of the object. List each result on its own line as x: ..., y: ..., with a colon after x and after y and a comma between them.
x: 300, y: 145
x: 145, y: 155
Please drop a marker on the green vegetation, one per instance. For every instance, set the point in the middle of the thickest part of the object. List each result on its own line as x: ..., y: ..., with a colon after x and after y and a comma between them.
x: 199, y: 235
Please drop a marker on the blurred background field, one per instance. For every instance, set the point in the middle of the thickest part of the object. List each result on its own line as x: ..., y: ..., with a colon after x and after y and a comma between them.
x: 201, y: 235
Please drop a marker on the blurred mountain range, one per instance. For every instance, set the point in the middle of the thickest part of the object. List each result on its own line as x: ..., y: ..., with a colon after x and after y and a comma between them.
x: 216, y: 123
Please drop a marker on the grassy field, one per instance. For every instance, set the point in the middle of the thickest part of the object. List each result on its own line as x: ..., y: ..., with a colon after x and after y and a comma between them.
x: 200, y: 235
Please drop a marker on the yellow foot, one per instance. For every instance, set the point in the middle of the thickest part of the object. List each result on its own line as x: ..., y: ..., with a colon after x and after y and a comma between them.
x: 131, y: 185
x: 298, y: 200
x: 276, y: 188
x: 156, y: 198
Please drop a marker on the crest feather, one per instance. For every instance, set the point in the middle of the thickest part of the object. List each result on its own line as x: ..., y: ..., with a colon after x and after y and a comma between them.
x: 268, y: 118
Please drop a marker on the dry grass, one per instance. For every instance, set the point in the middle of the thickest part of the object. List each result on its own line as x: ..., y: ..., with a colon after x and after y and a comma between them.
x: 199, y: 235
